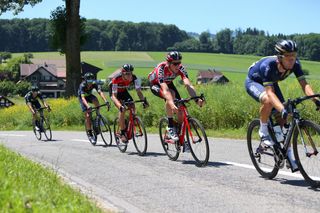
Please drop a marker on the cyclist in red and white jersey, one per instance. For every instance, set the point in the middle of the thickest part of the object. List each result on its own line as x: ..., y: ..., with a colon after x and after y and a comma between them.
x: 161, y: 79
x: 118, y: 91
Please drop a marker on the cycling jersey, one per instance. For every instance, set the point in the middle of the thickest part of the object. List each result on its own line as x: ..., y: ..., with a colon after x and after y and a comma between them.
x: 265, y: 71
x: 86, y: 89
x: 33, y: 100
x: 118, y: 84
x: 162, y: 74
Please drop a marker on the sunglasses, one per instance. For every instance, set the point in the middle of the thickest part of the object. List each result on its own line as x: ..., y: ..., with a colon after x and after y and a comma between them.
x: 176, y: 63
x: 127, y: 73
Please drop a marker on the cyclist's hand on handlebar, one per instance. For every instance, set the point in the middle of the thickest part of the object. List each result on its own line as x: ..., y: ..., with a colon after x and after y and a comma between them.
x: 108, y: 105
x: 145, y: 103
x: 122, y: 108
x: 173, y: 106
x: 284, y: 114
x: 49, y: 109
x: 89, y: 108
x: 200, y: 102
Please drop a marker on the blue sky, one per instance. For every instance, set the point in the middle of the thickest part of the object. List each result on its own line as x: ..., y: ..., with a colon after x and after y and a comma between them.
x: 272, y: 16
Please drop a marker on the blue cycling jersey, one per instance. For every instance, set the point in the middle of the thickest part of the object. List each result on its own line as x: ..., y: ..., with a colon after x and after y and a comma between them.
x: 265, y: 71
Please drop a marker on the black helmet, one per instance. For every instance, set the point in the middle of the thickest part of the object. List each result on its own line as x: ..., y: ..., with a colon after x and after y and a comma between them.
x: 127, y: 68
x: 88, y: 77
x: 286, y: 46
x: 174, y: 56
x: 34, y: 88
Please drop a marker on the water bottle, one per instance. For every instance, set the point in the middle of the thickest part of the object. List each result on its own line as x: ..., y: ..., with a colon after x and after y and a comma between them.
x: 278, y: 133
x: 285, y: 129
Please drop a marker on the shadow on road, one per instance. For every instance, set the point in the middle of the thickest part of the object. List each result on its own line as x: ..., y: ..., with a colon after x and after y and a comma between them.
x: 148, y: 154
x: 300, y: 183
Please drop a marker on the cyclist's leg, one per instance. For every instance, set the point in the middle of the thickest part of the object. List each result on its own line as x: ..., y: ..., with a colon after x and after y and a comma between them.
x: 257, y: 92
x: 35, y: 106
x: 123, y: 96
x: 86, y: 115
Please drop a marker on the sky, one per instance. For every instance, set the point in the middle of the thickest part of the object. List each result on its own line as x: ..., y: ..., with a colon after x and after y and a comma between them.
x: 272, y: 16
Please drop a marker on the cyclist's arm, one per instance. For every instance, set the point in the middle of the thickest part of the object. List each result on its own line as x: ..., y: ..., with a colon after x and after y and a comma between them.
x: 102, y: 96
x: 30, y: 108
x: 84, y: 101
x: 139, y: 93
x: 273, y: 98
x: 116, y: 100
x: 190, y: 88
x: 307, y: 89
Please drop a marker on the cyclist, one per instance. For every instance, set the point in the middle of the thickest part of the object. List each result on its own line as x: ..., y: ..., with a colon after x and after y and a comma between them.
x: 118, y: 91
x: 262, y: 85
x: 85, y: 97
x: 161, y: 85
x: 32, y: 101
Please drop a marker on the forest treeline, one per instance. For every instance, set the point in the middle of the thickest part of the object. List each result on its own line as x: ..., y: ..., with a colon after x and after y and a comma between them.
x: 35, y: 35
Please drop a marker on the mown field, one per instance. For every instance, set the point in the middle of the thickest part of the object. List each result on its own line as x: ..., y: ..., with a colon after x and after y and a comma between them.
x: 228, y: 109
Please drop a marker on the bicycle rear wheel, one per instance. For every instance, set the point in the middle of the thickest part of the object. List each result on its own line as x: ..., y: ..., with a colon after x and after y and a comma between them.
x: 171, y: 148
x: 36, y: 131
x: 261, y: 157
x: 105, y: 131
x: 198, y: 142
x: 46, y: 129
x: 117, y: 132
x: 139, y: 136
x: 306, y: 145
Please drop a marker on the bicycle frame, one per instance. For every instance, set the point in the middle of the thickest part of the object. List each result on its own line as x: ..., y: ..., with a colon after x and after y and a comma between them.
x: 132, y: 115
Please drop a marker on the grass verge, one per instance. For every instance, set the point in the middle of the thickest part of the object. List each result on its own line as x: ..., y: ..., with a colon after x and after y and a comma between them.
x: 28, y: 187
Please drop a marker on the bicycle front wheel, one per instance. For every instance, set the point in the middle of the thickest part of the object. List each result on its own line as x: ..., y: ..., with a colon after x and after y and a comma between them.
x: 36, y: 131
x: 198, y: 142
x: 170, y: 147
x: 306, y: 145
x: 139, y: 136
x: 46, y: 129
x: 93, y: 138
x: 261, y: 157
x: 117, y: 132
x: 105, y: 131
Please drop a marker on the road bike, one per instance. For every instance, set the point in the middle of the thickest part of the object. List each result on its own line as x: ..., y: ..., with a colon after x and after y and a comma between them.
x: 99, y: 126
x: 42, y: 124
x: 191, y: 133
x: 305, y: 137
x: 135, y: 130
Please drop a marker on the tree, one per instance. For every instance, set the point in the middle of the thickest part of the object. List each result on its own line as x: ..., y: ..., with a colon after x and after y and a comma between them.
x: 72, y: 38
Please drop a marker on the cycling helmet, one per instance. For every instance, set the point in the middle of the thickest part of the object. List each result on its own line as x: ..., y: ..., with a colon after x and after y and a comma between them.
x: 127, y: 68
x: 174, y: 56
x: 286, y: 46
x: 89, y: 77
x: 34, y: 88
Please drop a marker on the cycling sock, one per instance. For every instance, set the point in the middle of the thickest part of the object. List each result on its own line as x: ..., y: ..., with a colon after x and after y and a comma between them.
x: 123, y: 132
x: 170, y: 124
x: 263, y: 128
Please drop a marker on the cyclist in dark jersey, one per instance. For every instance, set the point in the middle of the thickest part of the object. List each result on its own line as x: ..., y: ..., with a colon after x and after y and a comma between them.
x: 118, y: 91
x: 32, y: 100
x: 85, y: 97
x: 161, y: 80
x: 262, y: 83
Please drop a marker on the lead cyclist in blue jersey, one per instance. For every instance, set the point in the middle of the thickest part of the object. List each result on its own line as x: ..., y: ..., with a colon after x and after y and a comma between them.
x: 262, y: 85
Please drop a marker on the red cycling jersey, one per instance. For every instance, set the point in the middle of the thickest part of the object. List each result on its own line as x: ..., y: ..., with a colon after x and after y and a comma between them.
x: 118, y: 84
x: 162, y: 74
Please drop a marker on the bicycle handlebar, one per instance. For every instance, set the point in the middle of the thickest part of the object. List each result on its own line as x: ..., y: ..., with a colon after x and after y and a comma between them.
x: 42, y: 108
x: 299, y: 100
x: 127, y: 103
x: 186, y: 100
x: 97, y: 107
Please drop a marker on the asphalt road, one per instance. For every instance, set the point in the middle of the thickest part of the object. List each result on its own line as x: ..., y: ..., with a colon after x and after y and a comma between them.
x: 126, y: 182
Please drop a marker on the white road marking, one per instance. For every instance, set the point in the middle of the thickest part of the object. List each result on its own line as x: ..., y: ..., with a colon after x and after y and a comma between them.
x: 247, y: 166
x: 12, y: 135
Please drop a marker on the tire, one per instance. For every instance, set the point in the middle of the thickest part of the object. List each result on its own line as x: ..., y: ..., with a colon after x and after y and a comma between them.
x: 36, y: 132
x: 140, y: 139
x: 116, y: 128
x: 105, y: 131
x: 46, y: 129
x: 94, y: 141
x: 262, y: 158
x: 171, y: 149
x: 198, y: 142
x: 309, y: 163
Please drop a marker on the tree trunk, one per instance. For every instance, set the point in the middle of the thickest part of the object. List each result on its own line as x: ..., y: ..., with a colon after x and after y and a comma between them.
x: 73, y: 47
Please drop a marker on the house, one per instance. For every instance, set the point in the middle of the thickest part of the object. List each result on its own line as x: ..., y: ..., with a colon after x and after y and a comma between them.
x: 211, y: 76
x: 50, y: 80
x: 50, y: 75
x: 5, y: 102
